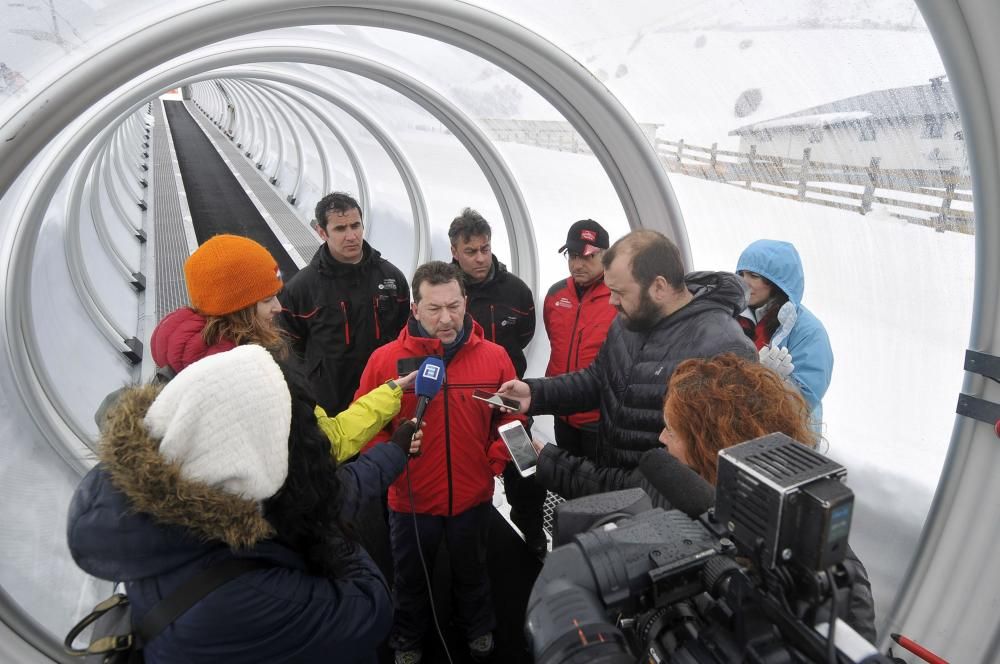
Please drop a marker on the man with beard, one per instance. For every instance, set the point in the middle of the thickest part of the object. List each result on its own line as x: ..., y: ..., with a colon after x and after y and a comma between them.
x: 664, y: 317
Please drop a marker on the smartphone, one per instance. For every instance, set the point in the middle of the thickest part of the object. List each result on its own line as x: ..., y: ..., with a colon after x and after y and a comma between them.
x: 496, y: 399
x: 521, y: 450
x: 407, y: 365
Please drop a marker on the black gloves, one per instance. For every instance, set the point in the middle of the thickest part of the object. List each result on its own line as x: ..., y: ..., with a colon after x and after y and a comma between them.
x: 402, y: 436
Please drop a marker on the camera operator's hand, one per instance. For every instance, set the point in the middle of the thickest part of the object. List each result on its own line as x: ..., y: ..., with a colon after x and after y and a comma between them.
x: 407, y: 438
x: 517, y: 390
x: 778, y: 360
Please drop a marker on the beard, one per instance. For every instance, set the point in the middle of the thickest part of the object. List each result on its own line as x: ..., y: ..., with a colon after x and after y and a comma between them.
x: 644, y: 318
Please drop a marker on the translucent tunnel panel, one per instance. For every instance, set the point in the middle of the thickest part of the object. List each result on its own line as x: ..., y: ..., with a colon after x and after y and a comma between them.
x: 731, y: 93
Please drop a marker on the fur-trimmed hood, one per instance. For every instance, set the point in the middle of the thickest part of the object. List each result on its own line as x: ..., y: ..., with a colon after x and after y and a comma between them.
x: 135, y: 515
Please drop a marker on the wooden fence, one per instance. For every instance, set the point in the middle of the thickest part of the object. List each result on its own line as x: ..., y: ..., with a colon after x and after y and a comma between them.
x: 841, y: 186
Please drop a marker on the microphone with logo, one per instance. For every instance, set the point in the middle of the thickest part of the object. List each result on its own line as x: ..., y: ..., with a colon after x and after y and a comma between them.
x: 430, y: 377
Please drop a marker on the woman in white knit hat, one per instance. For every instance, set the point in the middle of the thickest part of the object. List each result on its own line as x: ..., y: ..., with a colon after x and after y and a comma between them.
x: 233, y: 282
x: 226, y: 461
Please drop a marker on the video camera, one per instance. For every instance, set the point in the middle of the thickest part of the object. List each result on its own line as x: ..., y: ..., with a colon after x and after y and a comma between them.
x: 756, y: 579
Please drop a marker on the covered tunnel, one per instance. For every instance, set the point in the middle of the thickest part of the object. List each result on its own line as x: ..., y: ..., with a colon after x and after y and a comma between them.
x: 864, y: 133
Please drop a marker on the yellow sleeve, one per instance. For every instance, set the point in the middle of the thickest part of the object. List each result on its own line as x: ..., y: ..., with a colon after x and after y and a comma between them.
x: 350, y: 430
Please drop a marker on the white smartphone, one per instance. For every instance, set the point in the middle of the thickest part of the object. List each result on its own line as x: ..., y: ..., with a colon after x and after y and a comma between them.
x: 521, y: 450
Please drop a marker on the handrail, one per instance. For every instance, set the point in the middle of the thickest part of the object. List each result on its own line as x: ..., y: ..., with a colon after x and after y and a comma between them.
x: 301, y: 161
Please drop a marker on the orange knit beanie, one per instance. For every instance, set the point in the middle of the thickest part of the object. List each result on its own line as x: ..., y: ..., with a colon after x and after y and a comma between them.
x: 228, y: 273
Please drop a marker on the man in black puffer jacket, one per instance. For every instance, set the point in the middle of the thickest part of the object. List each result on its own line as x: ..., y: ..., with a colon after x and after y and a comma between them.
x: 665, y: 317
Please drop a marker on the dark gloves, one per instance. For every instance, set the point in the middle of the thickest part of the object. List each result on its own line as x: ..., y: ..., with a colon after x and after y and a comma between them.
x: 402, y: 436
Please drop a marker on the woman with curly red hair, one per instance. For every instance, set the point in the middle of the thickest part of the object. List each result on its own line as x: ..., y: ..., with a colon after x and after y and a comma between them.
x: 715, y: 403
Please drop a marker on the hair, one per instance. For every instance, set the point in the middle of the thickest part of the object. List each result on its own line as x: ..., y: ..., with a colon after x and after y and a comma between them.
x: 338, y: 202
x: 652, y: 255
x: 467, y: 225
x: 719, y: 402
x: 306, y: 510
x: 775, y: 302
x: 436, y: 273
x: 244, y: 327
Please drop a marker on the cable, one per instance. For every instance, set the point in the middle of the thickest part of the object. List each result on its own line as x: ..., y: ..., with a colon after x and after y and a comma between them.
x: 423, y: 564
x: 831, y: 648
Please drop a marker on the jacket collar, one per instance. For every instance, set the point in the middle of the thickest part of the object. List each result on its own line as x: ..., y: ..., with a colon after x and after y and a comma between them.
x: 411, y: 340
x: 325, y: 263
x: 155, y: 486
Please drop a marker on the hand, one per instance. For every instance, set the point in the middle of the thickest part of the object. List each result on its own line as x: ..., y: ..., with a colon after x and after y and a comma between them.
x: 517, y: 390
x: 407, y: 380
x: 778, y: 360
x: 538, y: 445
x: 407, y: 438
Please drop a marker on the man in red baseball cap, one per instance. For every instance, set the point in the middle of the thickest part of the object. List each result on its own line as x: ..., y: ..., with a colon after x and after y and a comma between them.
x: 577, y: 315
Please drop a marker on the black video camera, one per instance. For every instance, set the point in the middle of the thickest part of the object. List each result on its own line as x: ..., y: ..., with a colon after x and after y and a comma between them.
x: 759, y: 578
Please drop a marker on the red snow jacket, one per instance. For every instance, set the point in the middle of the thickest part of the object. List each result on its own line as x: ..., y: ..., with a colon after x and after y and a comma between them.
x: 577, y: 327
x: 460, y: 452
x: 176, y: 341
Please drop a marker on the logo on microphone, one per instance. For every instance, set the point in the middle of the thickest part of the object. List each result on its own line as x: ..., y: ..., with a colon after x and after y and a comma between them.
x: 431, y: 372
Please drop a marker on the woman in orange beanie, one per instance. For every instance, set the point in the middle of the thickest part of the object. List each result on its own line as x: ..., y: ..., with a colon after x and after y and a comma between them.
x: 233, y: 283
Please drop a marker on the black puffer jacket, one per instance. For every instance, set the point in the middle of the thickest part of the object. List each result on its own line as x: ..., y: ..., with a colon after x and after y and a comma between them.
x: 337, y: 314
x: 503, y: 306
x: 628, y: 379
x: 672, y: 485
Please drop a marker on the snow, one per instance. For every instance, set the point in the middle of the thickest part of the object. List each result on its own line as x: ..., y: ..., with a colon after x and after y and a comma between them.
x: 817, y: 120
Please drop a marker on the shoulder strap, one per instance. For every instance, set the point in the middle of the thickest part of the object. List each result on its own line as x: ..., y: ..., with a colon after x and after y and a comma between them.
x: 171, y: 607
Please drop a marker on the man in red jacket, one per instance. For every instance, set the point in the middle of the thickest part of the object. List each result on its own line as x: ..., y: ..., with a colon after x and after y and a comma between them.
x: 447, y: 491
x: 577, y: 316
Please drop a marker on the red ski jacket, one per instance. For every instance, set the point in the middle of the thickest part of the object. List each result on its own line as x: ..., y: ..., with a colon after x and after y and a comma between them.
x: 460, y: 452
x: 577, y: 327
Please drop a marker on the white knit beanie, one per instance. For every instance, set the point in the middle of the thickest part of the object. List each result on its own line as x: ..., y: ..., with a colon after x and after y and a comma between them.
x: 225, y: 420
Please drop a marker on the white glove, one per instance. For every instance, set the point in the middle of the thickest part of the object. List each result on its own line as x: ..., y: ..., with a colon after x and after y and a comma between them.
x: 778, y: 360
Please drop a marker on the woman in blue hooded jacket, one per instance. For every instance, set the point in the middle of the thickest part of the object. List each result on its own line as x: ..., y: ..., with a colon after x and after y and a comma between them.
x: 776, y: 319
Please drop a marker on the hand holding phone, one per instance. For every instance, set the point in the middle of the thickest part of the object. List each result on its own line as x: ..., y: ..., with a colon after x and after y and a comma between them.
x: 519, y: 444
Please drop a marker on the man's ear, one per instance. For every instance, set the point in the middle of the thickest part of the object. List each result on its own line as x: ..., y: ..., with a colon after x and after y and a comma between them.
x: 660, y: 290
x: 319, y: 230
x: 413, y: 309
x: 454, y: 252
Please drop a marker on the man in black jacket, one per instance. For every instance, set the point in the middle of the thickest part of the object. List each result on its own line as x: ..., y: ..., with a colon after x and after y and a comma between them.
x: 342, y: 306
x: 504, y: 307
x: 664, y: 317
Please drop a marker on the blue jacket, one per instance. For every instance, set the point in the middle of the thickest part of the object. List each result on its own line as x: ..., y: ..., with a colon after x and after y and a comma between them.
x: 799, y: 330
x: 278, y: 614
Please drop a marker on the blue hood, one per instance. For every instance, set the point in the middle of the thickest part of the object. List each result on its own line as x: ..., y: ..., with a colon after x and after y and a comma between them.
x: 779, y: 263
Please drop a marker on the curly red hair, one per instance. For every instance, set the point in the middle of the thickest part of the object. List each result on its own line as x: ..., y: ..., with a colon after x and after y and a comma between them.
x: 715, y: 403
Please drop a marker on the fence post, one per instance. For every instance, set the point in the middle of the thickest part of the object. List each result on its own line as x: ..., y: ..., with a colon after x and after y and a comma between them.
x: 949, y: 194
x: 804, y: 173
x: 713, y: 162
x: 751, y: 158
x: 680, y: 150
x: 869, y: 193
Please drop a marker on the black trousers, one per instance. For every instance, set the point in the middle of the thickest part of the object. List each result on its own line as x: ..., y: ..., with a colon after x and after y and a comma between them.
x: 465, y: 536
x: 526, y: 497
x: 578, y: 442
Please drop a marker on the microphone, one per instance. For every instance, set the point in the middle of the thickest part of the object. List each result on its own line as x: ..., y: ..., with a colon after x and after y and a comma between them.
x: 430, y: 377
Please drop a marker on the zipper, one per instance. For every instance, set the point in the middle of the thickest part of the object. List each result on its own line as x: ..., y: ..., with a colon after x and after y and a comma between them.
x: 569, y: 351
x: 347, y: 323
x: 493, y: 323
x: 447, y: 453
x: 378, y: 328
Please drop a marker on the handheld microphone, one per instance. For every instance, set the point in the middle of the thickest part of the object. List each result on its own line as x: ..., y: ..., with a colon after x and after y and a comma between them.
x: 430, y: 377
